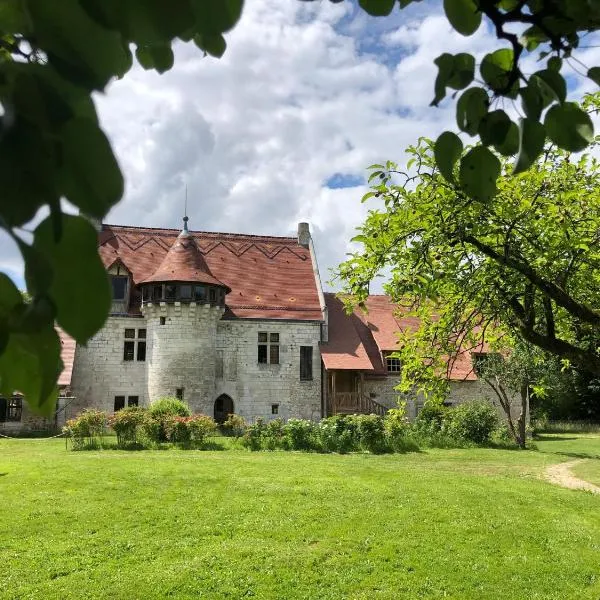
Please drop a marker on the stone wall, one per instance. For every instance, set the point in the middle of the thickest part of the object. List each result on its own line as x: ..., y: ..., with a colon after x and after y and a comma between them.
x: 182, y: 352
x: 100, y: 373
x: 254, y: 387
x: 205, y: 356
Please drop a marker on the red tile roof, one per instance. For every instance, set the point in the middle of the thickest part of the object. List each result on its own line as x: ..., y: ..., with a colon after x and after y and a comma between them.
x: 357, y: 341
x: 67, y: 354
x: 269, y: 277
x: 184, y: 262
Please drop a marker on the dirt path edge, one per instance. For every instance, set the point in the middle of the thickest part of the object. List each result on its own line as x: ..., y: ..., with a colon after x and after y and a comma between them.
x: 561, y: 474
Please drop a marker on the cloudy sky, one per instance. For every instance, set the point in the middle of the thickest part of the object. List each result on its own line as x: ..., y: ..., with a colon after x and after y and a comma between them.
x: 281, y: 129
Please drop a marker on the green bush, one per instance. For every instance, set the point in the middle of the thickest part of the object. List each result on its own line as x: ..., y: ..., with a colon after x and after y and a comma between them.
x: 432, y: 417
x: 371, y: 433
x: 338, y: 434
x: 160, y: 417
x: 127, y: 424
x: 200, y: 427
x: 86, y: 430
x: 235, y: 426
x: 299, y: 434
x: 399, y: 432
x: 272, y: 435
x: 176, y: 429
x: 473, y: 422
x: 252, y: 438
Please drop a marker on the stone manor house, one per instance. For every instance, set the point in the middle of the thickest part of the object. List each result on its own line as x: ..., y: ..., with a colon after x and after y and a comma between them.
x: 230, y: 323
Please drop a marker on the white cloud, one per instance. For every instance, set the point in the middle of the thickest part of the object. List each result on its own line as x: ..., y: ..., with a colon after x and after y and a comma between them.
x: 304, y: 91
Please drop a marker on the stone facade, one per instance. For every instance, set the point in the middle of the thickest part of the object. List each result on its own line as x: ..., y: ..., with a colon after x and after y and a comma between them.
x: 204, y: 356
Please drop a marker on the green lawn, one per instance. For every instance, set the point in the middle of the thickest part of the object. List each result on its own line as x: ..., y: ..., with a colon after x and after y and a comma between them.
x: 232, y: 524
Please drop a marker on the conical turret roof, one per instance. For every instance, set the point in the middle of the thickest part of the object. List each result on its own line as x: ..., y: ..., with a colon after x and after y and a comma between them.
x: 184, y: 262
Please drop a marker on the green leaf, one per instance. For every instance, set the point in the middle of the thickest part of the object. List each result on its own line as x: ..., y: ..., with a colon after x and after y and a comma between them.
x: 479, y: 170
x: 27, y: 172
x: 555, y: 83
x: 455, y: 71
x: 80, y: 49
x: 594, y: 75
x: 31, y: 364
x: 80, y: 288
x: 377, y: 8
x: 471, y: 107
x: 554, y: 63
x: 510, y: 145
x: 215, y: 45
x: 447, y: 151
x: 90, y: 176
x: 569, y: 127
x: 494, y: 128
x: 214, y: 17
x: 10, y: 297
x: 532, y: 136
x: 162, y: 56
x: 495, y: 71
x: 144, y: 57
x: 464, y: 15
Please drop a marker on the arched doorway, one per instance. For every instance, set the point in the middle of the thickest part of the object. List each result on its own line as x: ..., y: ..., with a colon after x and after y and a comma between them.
x: 223, y: 408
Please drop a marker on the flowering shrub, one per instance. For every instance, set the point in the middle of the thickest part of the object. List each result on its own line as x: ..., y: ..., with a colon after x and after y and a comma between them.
x: 235, y: 425
x: 160, y: 416
x: 371, y: 433
x: 338, y: 434
x: 300, y: 434
x: 201, y: 426
x: 86, y: 429
x: 127, y: 424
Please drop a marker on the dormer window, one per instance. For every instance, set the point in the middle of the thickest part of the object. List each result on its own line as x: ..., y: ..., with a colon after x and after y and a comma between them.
x: 119, y: 287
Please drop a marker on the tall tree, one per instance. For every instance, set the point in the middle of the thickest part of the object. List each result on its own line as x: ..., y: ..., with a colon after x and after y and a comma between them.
x: 524, y: 262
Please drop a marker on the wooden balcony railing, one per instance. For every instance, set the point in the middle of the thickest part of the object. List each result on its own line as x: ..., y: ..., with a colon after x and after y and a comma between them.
x: 348, y: 403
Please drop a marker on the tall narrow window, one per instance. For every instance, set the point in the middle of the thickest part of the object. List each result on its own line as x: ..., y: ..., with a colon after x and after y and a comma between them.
x: 135, y: 345
x: 306, y: 356
x: 119, y: 403
x: 268, y: 348
x: 141, y: 345
x: 179, y: 393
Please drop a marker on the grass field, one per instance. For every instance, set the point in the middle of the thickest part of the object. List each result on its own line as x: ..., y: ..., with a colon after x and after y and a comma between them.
x: 475, y: 523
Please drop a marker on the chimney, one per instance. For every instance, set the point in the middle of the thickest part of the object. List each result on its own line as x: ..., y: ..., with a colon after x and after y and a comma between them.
x: 304, y: 234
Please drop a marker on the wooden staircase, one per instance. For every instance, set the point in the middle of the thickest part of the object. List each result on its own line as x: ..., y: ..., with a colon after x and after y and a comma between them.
x: 350, y: 403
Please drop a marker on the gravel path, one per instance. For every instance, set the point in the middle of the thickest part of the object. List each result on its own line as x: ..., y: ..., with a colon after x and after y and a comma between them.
x: 561, y: 475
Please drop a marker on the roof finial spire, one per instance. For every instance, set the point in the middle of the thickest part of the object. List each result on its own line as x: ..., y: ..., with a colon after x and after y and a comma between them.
x: 185, y: 217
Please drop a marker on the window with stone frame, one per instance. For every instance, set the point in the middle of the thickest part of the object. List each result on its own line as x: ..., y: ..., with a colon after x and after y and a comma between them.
x: 306, y: 361
x: 268, y: 348
x: 392, y: 363
x: 134, y: 347
x: 133, y: 400
x: 11, y: 409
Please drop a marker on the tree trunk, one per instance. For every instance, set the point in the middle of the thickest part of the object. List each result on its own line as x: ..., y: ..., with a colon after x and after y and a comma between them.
x: 522, y: 420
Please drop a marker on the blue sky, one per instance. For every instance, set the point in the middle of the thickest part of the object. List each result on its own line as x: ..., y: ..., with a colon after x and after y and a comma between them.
x: 282, y: 128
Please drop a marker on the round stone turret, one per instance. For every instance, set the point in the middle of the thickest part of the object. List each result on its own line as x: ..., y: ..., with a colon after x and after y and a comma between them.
x: 183, y: 302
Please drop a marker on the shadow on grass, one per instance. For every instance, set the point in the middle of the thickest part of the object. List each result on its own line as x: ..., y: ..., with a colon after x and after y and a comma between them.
x: 553, y: 438
x: 577, y: 454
